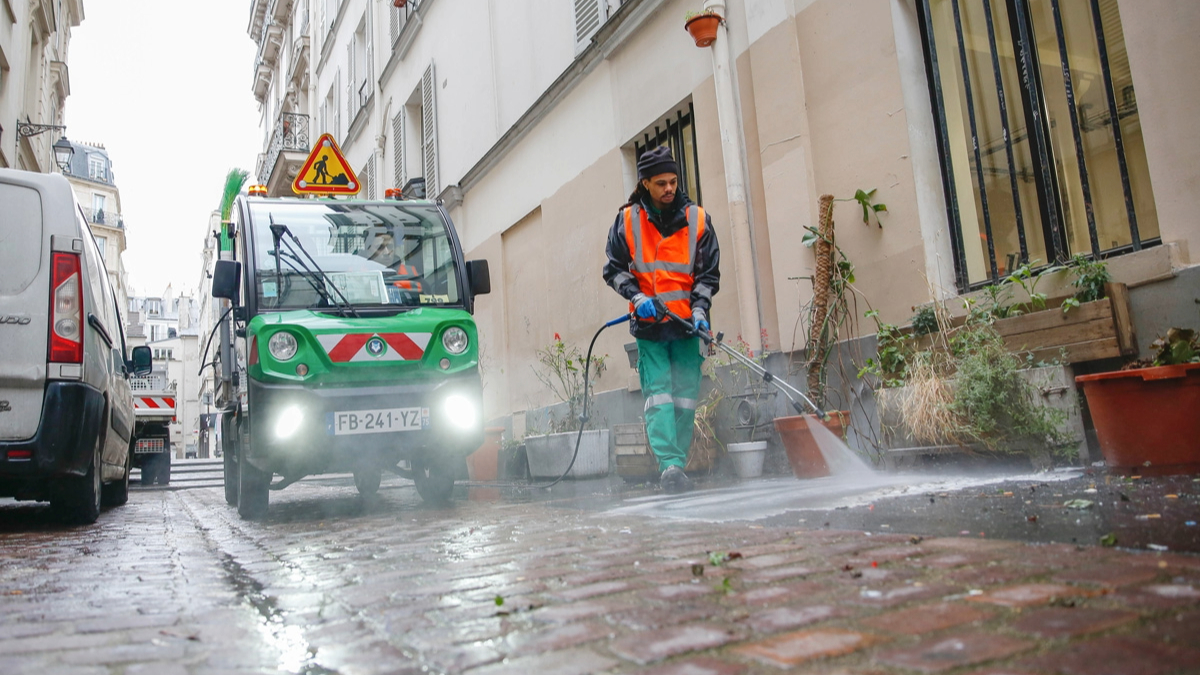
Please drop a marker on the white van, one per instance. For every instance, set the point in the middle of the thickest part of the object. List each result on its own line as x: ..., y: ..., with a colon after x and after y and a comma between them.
x: 66, y: 410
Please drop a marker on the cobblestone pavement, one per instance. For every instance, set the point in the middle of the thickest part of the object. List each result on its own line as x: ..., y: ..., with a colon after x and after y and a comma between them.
x: 174, y: 582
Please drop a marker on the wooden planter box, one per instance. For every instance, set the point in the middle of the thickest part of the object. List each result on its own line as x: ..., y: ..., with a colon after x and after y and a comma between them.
x: 1102, y: 329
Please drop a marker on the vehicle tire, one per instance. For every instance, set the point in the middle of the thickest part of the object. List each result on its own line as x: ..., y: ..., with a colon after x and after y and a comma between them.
x: 149, y: 467
x: 78, y: 498
x: 164, y: 469
x: 367, y: 479
x: 254, y: 488
x: 435, y: 481
x: 117, y: 492
x: 231, y: 477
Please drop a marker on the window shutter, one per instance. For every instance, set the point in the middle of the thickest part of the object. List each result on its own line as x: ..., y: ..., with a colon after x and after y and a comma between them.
x: 337, y: 106
x: 351, y: 93
x: 395, y: 16
x: 367, y: 177
x: 589, y: 15
x: 429, y: 132
x: 369, y: 58
x: 398, y: 148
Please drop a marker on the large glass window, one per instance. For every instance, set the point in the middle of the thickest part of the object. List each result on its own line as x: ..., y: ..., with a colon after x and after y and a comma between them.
x: 1045, y: 166
x: 374, y: 254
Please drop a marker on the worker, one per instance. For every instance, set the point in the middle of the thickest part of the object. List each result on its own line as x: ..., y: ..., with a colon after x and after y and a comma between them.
x: 663, y: 254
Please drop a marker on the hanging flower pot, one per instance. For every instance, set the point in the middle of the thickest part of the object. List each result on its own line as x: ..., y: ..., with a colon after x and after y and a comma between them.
x: 703, y: 28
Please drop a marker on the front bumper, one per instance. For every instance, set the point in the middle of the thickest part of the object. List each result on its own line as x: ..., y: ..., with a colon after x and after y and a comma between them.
x: 62, y: 445
x: 314, y: 447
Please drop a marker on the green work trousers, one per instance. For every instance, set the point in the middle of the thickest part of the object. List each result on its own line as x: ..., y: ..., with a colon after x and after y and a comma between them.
x: 670, y: 376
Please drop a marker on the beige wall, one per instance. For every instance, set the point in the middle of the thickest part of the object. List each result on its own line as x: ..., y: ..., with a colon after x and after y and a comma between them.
x: 1160, y: 36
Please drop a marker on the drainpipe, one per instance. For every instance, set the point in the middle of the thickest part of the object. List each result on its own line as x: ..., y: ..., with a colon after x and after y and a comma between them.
x: 733, y: 148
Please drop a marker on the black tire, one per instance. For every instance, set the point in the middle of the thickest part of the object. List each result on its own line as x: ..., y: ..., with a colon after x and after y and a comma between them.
x: 117, y: 492
x: 254, y: 487
x: 149, y: 467
x: 163, y: 475
x: 231, y: 476
x: 366, y: 480
x: 435, y: 481
x: 78, y: 498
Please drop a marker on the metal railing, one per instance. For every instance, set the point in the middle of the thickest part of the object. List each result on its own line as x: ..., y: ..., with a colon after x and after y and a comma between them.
x: 102, y: 217
x: 290, y: 133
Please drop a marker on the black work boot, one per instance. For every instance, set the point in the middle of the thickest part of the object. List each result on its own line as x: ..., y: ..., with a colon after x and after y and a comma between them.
x: 674, y: 480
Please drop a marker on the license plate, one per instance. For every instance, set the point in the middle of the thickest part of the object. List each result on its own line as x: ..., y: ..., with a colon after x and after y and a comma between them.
x: 384, y: 421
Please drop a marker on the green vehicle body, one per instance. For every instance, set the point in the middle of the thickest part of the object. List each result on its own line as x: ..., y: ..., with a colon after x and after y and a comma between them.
x: 380, y: 391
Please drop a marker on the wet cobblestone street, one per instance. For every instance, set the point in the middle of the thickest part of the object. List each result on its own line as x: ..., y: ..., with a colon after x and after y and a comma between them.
x: 174, y: 582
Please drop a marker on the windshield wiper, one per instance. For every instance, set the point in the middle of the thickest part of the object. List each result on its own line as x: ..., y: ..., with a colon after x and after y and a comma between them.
x: 305, y: 273
x: 277, y: 231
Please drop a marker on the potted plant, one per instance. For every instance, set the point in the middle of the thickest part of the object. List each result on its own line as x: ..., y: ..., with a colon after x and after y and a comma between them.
x: 561, y: 369
x: 702, y: 26
x: 1146, y: 414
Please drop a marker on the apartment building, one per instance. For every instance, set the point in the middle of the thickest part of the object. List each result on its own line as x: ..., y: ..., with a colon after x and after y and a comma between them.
x: 91, y: 176
x: 996, y: 133
x: 34, y: 79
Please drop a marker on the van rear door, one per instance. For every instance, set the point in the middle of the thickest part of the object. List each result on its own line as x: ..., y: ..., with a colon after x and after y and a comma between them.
x: 24, y: 308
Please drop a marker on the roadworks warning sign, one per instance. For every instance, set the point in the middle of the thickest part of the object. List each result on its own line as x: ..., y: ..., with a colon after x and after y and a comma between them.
x: 326, y: 171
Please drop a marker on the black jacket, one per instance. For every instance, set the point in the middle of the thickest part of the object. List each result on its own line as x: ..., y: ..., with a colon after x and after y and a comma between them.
x: 706, y: 270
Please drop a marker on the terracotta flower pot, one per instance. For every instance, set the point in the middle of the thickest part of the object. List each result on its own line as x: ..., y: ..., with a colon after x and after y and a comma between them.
x: 482, y: 464
x: 1146, y: 418
x: 803, y: 453
x: 703, y: 28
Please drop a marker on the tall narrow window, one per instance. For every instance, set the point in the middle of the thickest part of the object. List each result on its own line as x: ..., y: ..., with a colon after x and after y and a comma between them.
x: 398, y: 165
x: 678, y: 132
x: 1045, y: 166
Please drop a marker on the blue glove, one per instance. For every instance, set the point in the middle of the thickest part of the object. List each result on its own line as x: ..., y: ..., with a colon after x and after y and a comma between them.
x: 644, y: 307
x: 700, y: 320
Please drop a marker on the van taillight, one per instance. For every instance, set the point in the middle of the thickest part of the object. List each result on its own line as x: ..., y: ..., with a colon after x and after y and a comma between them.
x: 66, y: 309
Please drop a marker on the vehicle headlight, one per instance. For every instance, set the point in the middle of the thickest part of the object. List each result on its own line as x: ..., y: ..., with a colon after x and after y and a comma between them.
x: 288, y: 422
x: 282, y: 346
x: 455, y: 340
x: 461, y: 411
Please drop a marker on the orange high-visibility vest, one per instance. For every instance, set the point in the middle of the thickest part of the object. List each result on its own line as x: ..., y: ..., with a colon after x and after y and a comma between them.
x: 663, y: 266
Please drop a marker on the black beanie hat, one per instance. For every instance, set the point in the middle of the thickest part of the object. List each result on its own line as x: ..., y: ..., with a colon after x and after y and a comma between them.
x: 656, y: 161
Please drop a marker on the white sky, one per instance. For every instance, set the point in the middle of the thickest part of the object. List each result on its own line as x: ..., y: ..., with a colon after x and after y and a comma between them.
x: 165, y: 87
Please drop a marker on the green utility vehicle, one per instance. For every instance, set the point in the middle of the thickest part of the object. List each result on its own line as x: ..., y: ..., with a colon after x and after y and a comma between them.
x: 354, y: 349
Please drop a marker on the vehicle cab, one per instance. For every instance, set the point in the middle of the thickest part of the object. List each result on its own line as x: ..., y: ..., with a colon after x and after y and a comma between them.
x: 353, y: 346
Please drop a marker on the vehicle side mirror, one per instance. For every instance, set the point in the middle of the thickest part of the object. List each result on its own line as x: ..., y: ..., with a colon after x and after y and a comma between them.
x: 227, y: 280
x: 142, y: 361
x: 479, y: 277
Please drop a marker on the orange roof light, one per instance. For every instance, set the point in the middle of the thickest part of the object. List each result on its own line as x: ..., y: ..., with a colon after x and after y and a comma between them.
x: 392, y: 193
x: 257, y: 190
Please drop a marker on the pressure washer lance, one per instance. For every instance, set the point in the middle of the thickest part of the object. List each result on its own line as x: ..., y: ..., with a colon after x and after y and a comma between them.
x: 662, y: 311
x: 782, y: 385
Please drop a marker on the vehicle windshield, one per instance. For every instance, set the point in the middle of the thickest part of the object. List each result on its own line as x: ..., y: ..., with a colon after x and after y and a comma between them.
x: 375, y: 254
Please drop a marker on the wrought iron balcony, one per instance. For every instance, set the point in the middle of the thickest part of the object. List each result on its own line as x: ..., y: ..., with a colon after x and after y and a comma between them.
x: 290, y: 134
x: 102, y: 217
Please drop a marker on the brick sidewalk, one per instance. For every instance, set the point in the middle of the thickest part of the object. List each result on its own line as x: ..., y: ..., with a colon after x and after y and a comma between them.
x: 327, y: 586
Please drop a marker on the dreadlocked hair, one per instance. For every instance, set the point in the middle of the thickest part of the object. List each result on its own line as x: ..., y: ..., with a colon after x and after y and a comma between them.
x: 635, y: 196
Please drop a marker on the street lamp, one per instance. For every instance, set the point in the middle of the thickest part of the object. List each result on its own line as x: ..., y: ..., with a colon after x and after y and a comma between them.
x: 63, y: 150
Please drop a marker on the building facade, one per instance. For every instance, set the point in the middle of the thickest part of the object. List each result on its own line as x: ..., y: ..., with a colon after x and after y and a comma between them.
x: 34, y: 79
x: 95, y: 185
x: 169, y: 326
x: 526, y: 119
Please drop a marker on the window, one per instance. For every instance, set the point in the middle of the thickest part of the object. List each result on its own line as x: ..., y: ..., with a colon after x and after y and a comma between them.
x: 102, y: 244
x: 398, y: 167
x: 366, y: 176
x: 1043, y: 167
x: 96, y: 168
x: 358, y: 71
x: 678, y: 132
x: 429, y: 139
x: 589, y: 16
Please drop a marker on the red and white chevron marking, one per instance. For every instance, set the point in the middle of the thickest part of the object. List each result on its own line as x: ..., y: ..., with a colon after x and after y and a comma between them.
x: 153, y: 403
x: 352, y: 347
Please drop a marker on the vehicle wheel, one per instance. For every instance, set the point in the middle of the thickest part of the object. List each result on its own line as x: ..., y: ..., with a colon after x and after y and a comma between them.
x: 231, y: 478
x: 254, y: 488
x: 117, y: 492
x: 367, y: 480
x: 149, y: 467
x: 435, y: 481
x: 164, y: 469
x: 78, y: 500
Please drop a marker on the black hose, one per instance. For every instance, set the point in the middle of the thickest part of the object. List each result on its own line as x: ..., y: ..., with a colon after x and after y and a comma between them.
x: 583, y: 416
x: 208, y: 344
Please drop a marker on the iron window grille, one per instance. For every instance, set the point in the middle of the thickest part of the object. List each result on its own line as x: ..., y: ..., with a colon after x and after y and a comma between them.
x: 680, y: 135
x: 1037, y: 131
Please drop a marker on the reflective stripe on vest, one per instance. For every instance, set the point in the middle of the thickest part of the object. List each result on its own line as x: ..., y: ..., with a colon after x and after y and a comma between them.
x: 663, y: 266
